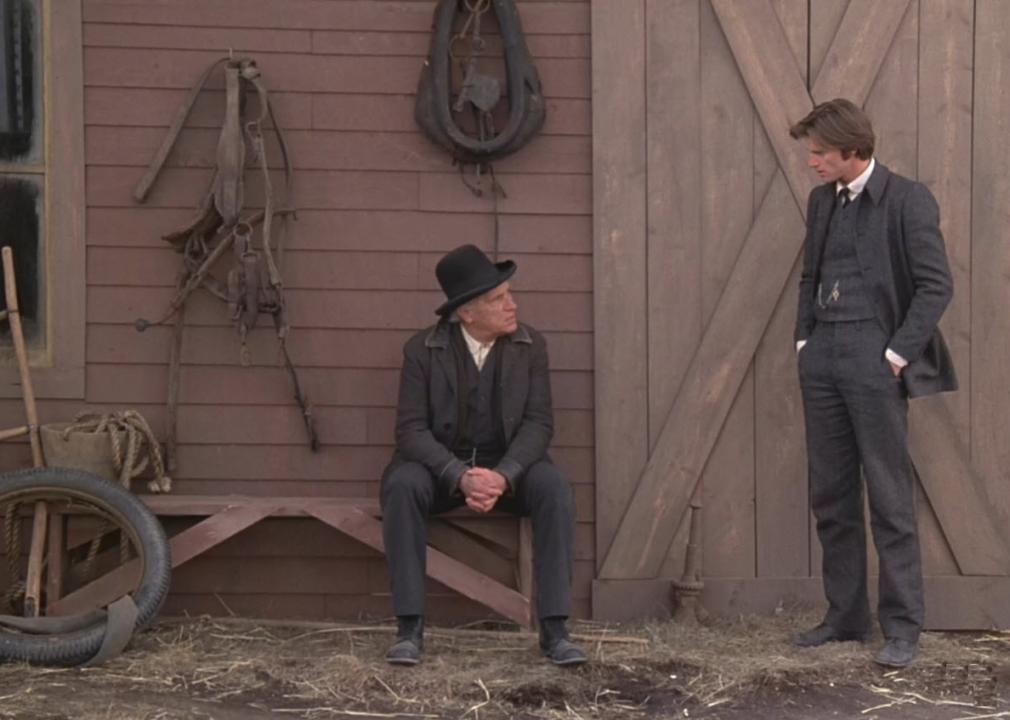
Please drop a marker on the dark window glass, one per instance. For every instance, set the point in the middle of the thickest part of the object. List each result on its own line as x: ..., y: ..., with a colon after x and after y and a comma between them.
x: 20, y: 221
x: 18, y: 73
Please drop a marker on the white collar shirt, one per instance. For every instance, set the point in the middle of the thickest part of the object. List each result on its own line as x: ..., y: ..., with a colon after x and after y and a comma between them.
x: 858, y: 184
x: 478, y: 350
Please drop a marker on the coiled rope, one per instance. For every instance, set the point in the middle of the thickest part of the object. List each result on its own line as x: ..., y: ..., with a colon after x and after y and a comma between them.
x: 141, y: 447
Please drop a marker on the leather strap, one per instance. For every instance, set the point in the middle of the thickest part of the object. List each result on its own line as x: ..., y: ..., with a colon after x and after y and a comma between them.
x: 118, y: 630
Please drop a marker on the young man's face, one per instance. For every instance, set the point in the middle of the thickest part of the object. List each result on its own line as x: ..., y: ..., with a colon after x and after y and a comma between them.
x: 829, y: 164
x: 491, y: 315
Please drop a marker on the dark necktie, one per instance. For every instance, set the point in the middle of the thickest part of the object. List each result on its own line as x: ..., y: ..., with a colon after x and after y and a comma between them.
x: 845, y: 196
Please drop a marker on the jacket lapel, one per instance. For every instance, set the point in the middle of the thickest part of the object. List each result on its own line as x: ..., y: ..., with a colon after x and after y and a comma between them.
x: 871, y: 242
x: 438, y: 340
x: 822, y: 220
x: 511, y: 364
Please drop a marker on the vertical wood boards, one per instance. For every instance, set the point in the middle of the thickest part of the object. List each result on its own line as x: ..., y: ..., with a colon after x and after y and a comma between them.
x: 378, y: 204
x: 727, y: 183
x: 741, y: 315
x: 944, y: 165
x: 990, y: 251
x: 912, y: 64
x: 781, y: 493
x: 673, y: 59
x: 673, y: 66
x: 619, y: 256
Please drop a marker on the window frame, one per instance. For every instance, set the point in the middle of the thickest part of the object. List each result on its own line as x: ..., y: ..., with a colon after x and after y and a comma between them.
x: 58, y: 369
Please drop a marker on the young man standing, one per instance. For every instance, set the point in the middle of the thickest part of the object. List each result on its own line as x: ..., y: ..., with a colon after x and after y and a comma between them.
x: 875, y: 282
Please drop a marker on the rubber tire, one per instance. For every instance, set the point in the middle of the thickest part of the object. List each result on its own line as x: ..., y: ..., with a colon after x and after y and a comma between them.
x: 143, y: 528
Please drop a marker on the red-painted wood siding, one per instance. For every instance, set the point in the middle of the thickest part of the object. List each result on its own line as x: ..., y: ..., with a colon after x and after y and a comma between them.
x: 378, y: 204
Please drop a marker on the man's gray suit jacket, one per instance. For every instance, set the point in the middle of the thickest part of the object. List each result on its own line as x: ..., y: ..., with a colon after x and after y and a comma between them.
x: 904, y: 266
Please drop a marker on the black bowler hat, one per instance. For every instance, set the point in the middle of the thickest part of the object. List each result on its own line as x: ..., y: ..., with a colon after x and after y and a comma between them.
x: 467, y: 272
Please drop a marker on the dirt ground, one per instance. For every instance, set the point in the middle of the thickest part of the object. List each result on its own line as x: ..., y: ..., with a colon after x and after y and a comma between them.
x: 743, y: 670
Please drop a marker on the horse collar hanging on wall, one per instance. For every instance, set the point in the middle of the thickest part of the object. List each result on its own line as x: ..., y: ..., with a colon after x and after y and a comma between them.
x: 435, y: 110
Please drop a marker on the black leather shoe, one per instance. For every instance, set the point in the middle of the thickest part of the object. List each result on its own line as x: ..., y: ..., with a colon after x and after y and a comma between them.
x: 824, y: 634
x: 409, y: 641
x: 897, y: 653
x: 557, y: 646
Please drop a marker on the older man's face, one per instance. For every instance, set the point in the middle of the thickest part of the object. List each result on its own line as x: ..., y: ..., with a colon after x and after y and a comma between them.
x: 491, y: 315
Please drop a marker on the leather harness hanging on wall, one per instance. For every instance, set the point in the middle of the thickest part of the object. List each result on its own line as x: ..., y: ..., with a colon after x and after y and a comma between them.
x: 434, y: 108
x: 254, y: 283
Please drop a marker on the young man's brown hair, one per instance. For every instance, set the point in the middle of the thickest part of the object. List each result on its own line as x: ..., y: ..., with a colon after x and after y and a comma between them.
x: 838, y: 124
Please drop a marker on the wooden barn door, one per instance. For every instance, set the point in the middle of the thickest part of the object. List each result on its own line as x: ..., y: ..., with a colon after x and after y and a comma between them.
x: 699, y: 203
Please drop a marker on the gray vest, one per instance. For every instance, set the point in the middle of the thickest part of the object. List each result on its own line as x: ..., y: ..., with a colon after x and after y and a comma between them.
x: 841, y: 294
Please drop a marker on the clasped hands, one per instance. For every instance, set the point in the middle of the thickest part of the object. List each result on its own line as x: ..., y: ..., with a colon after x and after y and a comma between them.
x: 482, y: 487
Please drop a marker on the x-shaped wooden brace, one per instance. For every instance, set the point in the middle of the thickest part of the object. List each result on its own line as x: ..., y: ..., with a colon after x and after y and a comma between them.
x: 713, y: 379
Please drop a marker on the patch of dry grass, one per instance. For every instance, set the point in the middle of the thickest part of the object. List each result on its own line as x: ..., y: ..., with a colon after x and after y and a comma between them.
x: 248, y: 669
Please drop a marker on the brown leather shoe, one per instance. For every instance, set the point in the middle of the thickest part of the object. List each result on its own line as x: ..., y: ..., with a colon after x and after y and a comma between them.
x: 824, y: 633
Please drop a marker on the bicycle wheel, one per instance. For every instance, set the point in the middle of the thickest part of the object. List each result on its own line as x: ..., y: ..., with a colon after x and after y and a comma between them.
x: 77, y: 493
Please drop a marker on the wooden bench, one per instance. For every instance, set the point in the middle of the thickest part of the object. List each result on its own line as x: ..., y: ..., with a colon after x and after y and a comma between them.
x: 359, y: 518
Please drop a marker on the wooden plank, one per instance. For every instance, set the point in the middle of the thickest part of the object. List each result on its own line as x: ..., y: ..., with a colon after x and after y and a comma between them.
x: 707, y: 393
x: 870, y: 26
x: 620, y: 303
x: 944, y: 143
x: 525, y: 577
x: 894, y: 92
x: 441, y: 567
x: 990, y: 254
x: 973, y: 513
x: 727, y: 187
x: 632, y: 600
x: 766, y: 62
x: 183, y: 547
x: 673, y: 58
x: 473, y: 553
x: 825, y: 19
x: 967, y: 509
x: 781, y: 504
x: 209, y: 505
x: 952, y: 602
x: 945, y: 100
x: 386, y: 16
x: 937, y: 556
x: 725, y: 352
x: 65, y: 206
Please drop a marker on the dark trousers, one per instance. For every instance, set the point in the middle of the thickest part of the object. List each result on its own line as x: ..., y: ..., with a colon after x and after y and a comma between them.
x: 409, y: 496
x: 856, y: 414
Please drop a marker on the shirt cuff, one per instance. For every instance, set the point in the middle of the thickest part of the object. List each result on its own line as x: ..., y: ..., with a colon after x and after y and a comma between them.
x: 800, y: 344
x: 895, y: 358
x: 510, y: 470
x: 452, y: 473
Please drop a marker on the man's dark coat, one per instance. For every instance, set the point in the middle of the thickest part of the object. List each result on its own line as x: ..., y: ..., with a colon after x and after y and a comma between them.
x: 426, y: 421
x: 904, y: 267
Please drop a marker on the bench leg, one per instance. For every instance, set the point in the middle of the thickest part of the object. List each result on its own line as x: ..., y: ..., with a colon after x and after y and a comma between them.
x: 524, y: 561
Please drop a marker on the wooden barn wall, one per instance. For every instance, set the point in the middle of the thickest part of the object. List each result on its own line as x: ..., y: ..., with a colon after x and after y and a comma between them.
x: 686, y: 178
x: 377, y: 205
